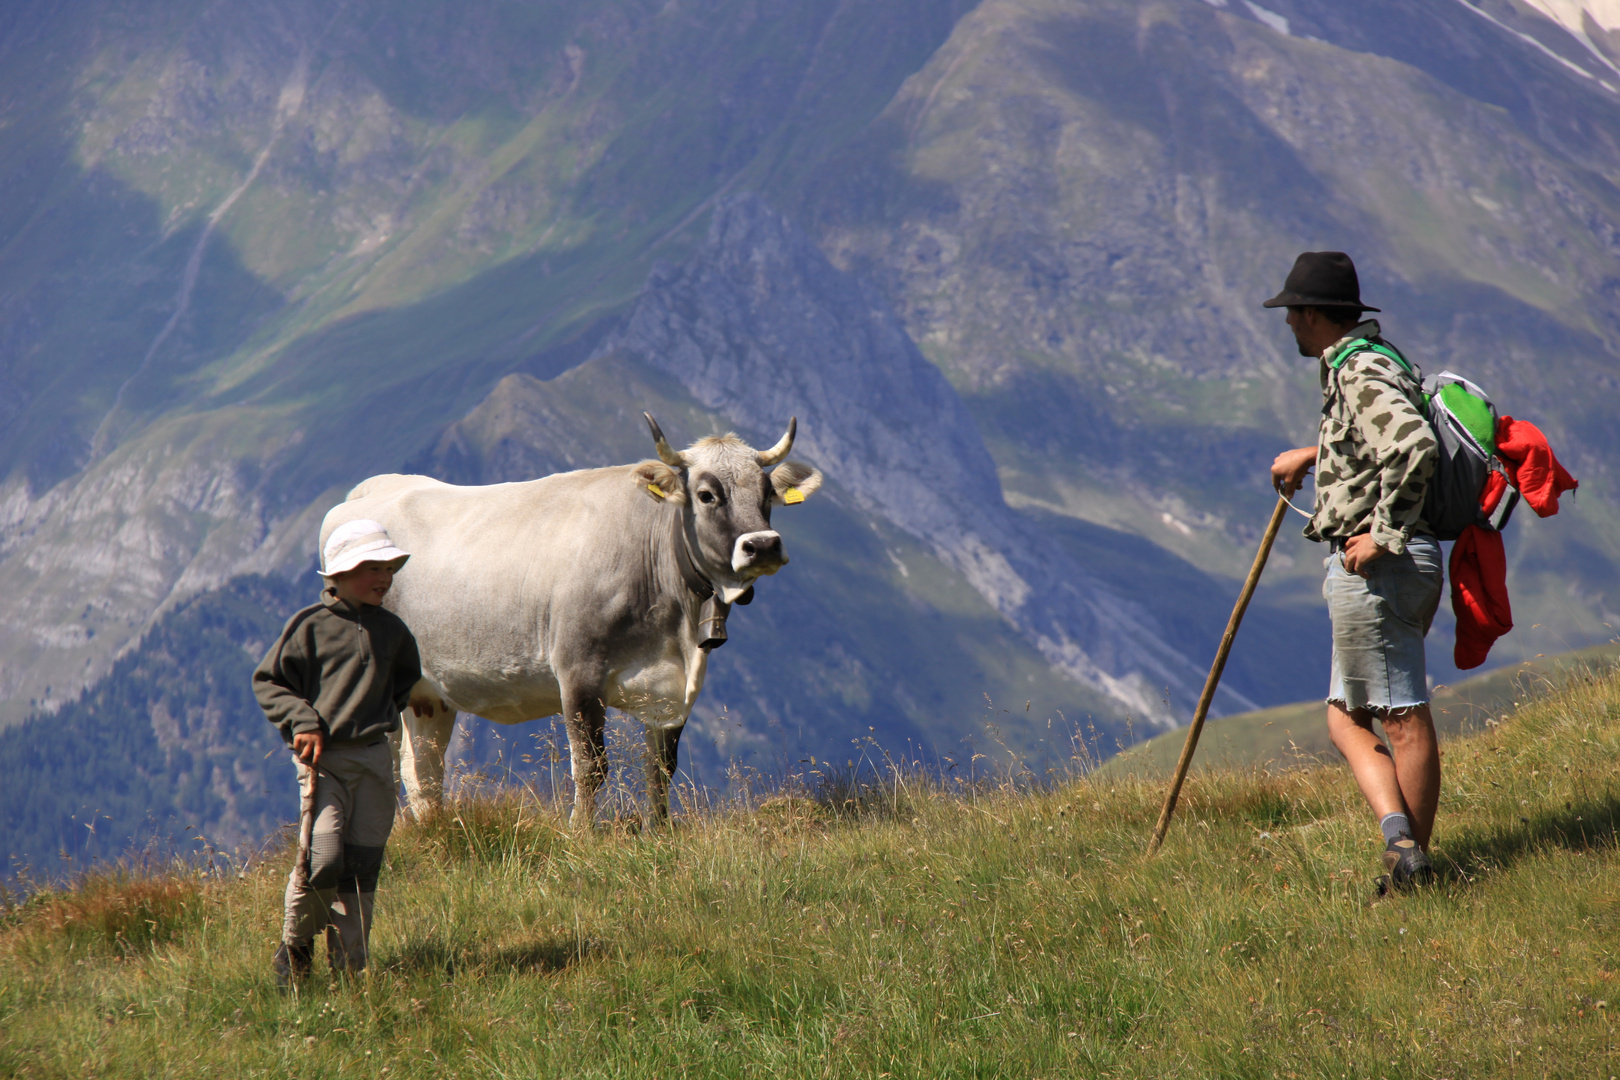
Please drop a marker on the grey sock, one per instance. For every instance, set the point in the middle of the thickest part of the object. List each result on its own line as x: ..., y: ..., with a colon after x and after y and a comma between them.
x: 1393, y: 825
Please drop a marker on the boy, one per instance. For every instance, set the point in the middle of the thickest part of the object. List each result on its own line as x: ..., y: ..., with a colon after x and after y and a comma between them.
x: 335, y: 683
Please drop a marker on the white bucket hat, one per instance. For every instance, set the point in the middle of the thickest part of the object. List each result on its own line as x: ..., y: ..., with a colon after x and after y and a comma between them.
x: 355, y: 542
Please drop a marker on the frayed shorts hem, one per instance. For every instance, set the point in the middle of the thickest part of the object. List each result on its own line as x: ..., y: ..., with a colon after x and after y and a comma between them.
x: 1377, y: 710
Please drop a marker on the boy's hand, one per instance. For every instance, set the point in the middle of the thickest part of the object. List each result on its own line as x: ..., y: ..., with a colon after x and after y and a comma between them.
x: 307, y: 747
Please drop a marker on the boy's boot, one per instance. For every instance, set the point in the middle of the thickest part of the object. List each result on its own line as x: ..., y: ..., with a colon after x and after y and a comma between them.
x: 348, y: 934
x: 292, y: 963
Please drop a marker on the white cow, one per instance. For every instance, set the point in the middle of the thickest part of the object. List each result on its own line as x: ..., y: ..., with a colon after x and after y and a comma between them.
x: 577, y: 592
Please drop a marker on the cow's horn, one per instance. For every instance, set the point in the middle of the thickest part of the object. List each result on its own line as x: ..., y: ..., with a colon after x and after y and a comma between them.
x: 665, y: 453
x: 770, y: 457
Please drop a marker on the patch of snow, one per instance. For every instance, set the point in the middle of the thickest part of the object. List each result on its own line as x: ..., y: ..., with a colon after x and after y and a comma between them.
x: 1270, y: 18
x: 1216, y: 3
x: 1570, y: 13
x: 1567, y: 14
x: 1572, y: 16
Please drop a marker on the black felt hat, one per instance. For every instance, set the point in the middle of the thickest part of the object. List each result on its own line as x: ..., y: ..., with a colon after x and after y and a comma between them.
x: 1321, y: 279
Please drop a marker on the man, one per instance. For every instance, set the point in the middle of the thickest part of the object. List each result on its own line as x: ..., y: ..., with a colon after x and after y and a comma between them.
x: 1374, y: 456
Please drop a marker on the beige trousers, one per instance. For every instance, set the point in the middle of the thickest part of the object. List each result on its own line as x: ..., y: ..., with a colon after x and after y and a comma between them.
x: 333, y: 885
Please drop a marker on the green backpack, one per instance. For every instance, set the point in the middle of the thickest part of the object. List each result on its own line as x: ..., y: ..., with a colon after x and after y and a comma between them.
x: 1464, y: 423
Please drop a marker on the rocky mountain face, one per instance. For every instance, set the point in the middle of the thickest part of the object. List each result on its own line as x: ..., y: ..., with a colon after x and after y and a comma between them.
x: 1054, y: 164
x: 758, y: 325
x: 1003, y: 259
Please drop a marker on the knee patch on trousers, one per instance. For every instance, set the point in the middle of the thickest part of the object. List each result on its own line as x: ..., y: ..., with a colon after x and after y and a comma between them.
x: 363, y: 865
x: 326, y: 859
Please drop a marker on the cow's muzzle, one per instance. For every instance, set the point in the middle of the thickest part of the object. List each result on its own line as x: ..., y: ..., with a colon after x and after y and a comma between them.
x: 758, y: 553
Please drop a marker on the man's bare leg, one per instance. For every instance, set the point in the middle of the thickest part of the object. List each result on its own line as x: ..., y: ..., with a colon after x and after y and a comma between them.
x: 1407, y: 783
x: 1417, y: 766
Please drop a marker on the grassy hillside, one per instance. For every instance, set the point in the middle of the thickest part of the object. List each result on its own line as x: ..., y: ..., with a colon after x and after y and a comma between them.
x: 912, y: 931
x: 1292, y: 735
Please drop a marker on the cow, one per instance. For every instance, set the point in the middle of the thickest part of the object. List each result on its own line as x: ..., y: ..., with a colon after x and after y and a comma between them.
x: 575, y: 593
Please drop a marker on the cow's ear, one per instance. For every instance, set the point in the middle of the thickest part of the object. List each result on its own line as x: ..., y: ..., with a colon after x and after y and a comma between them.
x: 660, y: 482
x: 794, y: 482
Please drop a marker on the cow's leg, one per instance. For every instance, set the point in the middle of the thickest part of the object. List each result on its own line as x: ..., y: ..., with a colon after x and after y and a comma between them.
x: 586, y: 720
x: 421, y: 758
x: 661, y: 744
x: 396, y: 743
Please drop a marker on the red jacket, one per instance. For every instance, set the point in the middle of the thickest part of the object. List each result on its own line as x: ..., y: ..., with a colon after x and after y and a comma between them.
x: 1479, y: 596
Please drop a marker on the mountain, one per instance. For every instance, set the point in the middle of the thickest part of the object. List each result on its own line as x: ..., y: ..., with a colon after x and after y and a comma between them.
x: 156, y: 757
x: 251, y: 257
x: 1003, y: 259
x: 1077, y: 208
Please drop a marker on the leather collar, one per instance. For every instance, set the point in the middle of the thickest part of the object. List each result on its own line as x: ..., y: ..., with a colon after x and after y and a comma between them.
x: 681, y: 542
x: 713, y: 611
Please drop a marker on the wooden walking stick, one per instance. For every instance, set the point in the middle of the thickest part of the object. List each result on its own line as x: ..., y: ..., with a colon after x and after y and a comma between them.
x: 1214, y: 678
x: 306, y: 821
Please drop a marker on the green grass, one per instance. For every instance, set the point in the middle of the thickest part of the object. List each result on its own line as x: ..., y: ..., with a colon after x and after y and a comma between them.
x: 913, y: 932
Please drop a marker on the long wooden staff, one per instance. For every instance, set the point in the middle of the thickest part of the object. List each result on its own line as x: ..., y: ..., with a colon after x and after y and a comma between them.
x: 306, y: 820
x: 1214, y: 678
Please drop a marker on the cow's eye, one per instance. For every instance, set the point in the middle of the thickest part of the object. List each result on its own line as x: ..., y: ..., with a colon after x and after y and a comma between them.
x: 705, y: 497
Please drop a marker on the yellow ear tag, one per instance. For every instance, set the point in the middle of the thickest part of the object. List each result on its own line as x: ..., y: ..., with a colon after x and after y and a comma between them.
x: 655, y: 491
x: 792, y: 496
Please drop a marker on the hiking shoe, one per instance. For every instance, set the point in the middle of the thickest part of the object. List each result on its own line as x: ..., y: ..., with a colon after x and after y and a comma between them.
x: 1408, y: 866
x: 292, y: 964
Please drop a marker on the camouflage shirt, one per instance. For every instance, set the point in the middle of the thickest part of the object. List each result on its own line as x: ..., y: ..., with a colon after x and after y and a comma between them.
x: 1375, y: 452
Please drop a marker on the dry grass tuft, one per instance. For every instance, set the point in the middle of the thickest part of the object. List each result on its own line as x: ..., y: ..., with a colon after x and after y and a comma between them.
x: 120, y: 909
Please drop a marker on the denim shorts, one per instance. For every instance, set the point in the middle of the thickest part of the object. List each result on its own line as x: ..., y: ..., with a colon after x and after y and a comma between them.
x: 1379, y: 622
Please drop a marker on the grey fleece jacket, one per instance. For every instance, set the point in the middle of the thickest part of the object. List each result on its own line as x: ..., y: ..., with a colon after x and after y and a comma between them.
x: 341, y: 669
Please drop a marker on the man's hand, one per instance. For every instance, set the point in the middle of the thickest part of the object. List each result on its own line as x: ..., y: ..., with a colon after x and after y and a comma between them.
x: 307, y: 747
x: 1289, y: 469
x: 426, y: 705
x: 1360, y: 550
